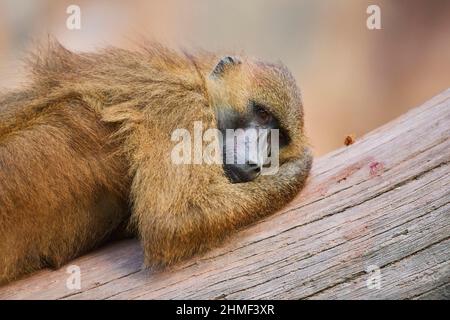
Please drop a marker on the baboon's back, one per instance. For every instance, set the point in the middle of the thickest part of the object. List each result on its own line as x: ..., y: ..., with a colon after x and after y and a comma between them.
x: 61, y: 183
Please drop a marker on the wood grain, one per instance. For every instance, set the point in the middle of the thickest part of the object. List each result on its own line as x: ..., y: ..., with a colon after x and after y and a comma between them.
x: 382, y: 202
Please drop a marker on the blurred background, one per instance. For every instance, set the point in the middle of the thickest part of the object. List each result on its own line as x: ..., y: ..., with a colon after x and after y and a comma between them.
x: 353, y: 79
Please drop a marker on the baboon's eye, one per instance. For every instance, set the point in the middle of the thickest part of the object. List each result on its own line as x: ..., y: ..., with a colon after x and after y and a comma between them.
x: 262, y: 115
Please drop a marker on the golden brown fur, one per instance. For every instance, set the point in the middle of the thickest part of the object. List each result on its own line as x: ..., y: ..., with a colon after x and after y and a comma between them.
x: 87, y: 145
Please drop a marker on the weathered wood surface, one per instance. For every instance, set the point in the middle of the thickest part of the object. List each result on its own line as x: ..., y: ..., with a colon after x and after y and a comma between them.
x: 383, y: 201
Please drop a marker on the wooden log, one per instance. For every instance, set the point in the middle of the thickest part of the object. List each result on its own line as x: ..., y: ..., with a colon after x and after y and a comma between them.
x: 380, y: 204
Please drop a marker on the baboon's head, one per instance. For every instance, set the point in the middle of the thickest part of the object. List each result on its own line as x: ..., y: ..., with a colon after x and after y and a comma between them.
x: 248, y: 96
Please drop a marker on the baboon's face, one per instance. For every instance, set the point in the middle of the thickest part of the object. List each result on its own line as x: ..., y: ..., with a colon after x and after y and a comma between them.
x: 259, y: 112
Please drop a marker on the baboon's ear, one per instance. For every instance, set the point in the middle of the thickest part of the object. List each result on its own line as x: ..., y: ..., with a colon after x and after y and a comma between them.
x: 224, y: 64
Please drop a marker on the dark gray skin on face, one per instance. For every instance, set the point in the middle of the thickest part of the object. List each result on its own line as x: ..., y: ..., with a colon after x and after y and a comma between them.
x: 257, y: 117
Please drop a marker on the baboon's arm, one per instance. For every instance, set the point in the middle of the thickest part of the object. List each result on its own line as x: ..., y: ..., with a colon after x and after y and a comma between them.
x: 213, y: 212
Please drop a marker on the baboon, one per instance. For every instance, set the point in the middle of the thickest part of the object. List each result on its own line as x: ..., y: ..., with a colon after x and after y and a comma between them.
x: 85, y: 151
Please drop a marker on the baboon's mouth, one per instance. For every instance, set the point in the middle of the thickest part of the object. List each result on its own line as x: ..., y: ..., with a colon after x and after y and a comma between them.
x: 241, y: 173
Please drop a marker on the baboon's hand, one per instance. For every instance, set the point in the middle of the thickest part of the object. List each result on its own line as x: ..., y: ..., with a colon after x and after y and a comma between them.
x: 292, y: 173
